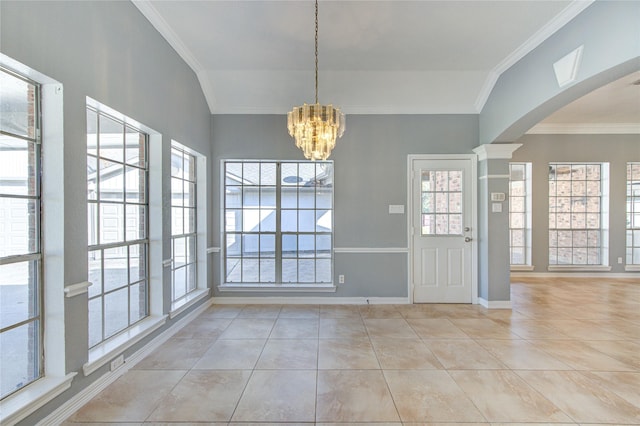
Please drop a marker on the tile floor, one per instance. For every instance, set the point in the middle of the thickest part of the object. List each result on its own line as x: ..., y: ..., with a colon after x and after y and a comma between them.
x: 568, y: 353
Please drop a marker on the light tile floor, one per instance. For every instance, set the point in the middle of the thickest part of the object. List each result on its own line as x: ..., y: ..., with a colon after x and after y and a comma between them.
x: 567, y: 353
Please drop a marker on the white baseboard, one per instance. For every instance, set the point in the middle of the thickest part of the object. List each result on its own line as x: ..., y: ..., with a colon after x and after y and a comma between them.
x: 76, y: 402
x: 574, y: 275
x: 311, y: 300
x: 495, y: 304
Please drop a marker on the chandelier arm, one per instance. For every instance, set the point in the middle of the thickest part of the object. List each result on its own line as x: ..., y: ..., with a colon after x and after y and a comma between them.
x: 316, y: 51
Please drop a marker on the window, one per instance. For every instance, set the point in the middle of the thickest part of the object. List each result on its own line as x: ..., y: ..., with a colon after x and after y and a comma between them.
x: 278, y: 222
x: 520, y: 214
x: 577, y: 220
x: 183, y: 222
x: 633, y: 214
x: 118, y: 206
x: 441, y: 202
x: 21, y: 325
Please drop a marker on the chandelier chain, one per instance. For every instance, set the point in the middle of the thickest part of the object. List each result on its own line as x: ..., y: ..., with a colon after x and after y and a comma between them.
x: 316, y: 51
x: 315, y: 127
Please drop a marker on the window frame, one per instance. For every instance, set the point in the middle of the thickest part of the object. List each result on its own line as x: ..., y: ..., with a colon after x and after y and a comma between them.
x: 527, y: 197
x: 602, y: 213
x: 278, y: 233
x: 124, y: 243
x: 34, y: 257
x: 56, y: 379
x: 632, y: 225
x: 184, y: 180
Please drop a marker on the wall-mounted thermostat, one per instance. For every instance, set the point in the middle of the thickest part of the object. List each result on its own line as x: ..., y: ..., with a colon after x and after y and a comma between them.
x: 498, y: 196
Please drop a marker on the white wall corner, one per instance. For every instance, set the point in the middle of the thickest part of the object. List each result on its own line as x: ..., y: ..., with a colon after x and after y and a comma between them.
x: 495, y: 151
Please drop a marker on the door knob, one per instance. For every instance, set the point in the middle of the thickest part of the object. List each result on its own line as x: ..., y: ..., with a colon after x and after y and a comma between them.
x: 467, y: 239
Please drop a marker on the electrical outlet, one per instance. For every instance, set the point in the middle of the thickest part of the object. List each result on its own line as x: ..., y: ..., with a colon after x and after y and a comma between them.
x: 619, y: 261
x: 119, y: 361
x: 341, y: 279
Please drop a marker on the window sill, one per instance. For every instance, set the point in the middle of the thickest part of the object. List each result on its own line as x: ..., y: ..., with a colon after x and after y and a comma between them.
x: 579, y: 268
x: 632, y: 268
x: 27, y: 400
x: 278, y: 287
x: 189, y: 300
x: 522, y: 268
x: 105, y: 352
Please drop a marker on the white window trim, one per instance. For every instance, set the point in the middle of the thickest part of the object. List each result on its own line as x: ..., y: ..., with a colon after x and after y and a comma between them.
x: 202, y: 285
x: 604, y: 223
x: 268, y: 287
x: 527, y: 266
x: 630, y: 266
x: 55, y: 380
x: 104, y: 352
x: 578, y: 268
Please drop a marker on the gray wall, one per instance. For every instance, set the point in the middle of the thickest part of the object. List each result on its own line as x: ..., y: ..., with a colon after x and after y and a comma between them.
x: 527, y: 92
x: 370, y: 164
x: 110, y: 52
x: 617, y: 150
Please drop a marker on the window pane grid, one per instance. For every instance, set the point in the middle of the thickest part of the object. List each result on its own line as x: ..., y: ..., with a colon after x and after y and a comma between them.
x: 21, y: 349
x: 118, y: 216
x: 633, y: 214
x: 575, y: 219
x: 519, y: 213
x: 441, y: 200
x: 278, y: 222
x: 183, y: 222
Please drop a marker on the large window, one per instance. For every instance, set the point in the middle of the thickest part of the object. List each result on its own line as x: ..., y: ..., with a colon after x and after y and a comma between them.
x: 520, y: 214
x: 577, y: 221
x: 118, y: 220
x: 183, y: 222
x: 21, y: 349
x: 278, y: 222
x: 633, y: 214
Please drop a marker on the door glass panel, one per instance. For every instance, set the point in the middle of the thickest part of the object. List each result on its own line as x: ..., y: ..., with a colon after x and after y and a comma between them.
x: 441, y: 194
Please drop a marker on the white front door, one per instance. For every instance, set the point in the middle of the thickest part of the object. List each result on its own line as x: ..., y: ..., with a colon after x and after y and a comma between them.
x: 442, y: 226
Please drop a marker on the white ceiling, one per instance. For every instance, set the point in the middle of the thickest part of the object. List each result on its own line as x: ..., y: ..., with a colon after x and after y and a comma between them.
x: 614, y: 108
x: 379, y: 57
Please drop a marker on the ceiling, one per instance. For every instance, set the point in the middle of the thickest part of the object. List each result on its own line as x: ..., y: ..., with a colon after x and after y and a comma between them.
x: 375, y: 57
x: 614, y: 108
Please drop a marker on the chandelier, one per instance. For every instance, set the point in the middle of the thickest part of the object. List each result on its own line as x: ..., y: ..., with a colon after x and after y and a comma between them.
x: 316, y: 127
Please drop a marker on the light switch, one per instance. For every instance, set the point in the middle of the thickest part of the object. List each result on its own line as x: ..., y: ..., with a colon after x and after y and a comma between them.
x: 396, y: 209
x: 498, y: 196
x: 496, y: 207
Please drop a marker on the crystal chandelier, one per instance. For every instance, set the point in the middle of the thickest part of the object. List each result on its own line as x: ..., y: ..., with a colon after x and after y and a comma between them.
x: 316, y: 127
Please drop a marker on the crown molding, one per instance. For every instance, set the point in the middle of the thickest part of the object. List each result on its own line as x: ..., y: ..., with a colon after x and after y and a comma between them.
x: 585, y: 129
x: 496, y: 151
x: 155, y: 18
x: 550, y: 28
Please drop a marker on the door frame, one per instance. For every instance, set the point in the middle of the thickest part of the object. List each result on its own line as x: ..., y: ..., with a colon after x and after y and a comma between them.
x: 473, y: 211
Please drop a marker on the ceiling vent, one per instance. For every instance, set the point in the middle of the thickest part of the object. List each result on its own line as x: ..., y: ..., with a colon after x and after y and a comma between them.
x: 566, y: 69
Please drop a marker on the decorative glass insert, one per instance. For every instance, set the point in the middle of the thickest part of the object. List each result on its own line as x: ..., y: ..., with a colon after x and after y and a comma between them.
x: 118, y: 217
x: 520, y: 213
x: 575, y: 214
x: 21, y: 349
x: 183, y: 222
x: 441, y: 202
x: 278, y: 222
x: 633, y: 214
